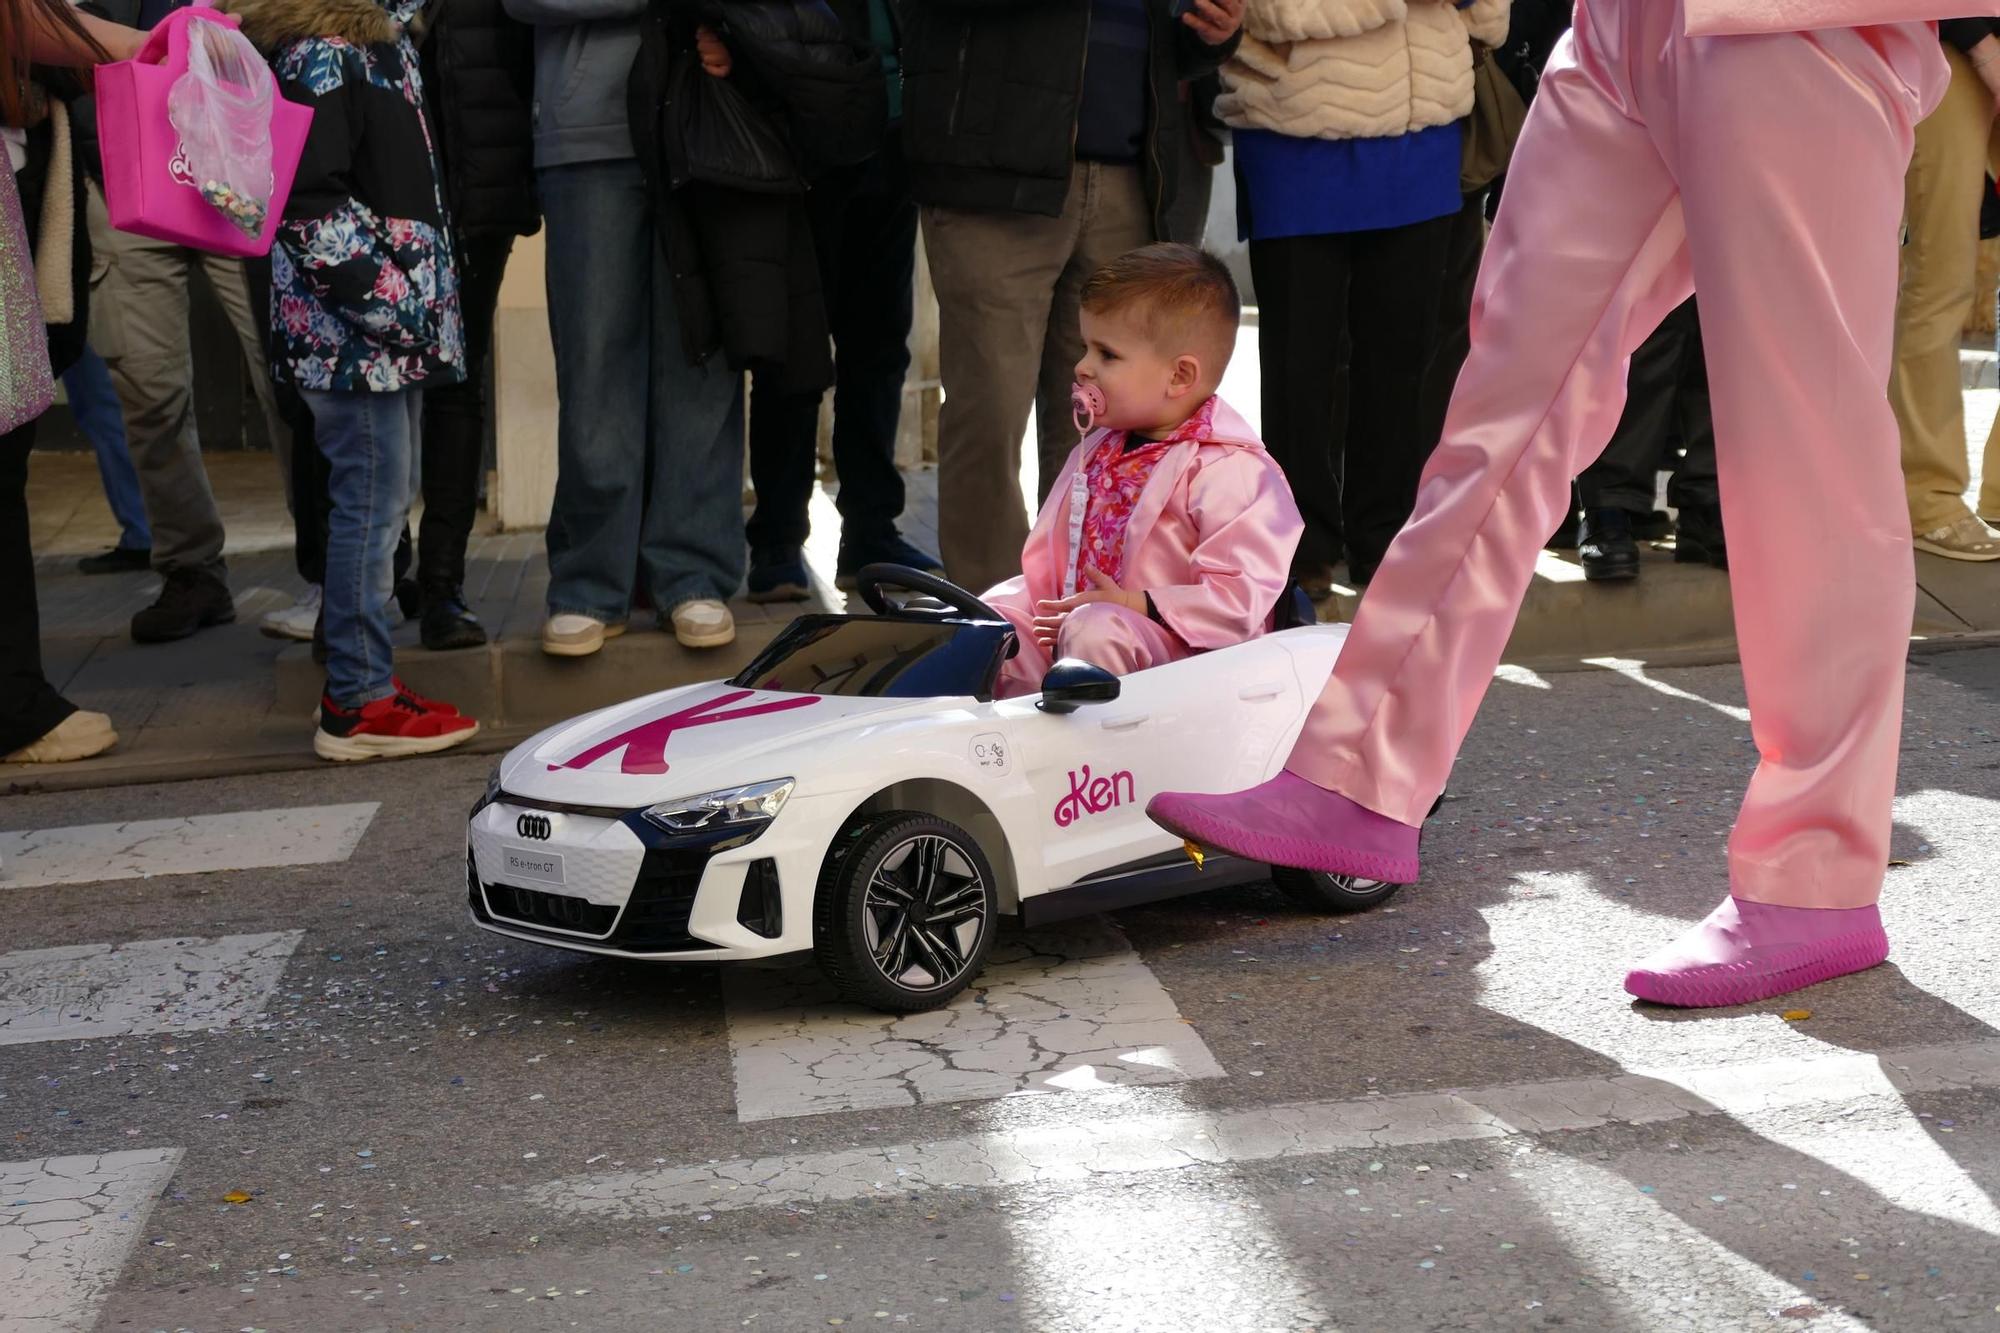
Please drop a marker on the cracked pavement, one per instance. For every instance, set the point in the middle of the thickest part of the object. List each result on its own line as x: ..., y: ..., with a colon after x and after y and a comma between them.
x: 1440, y: 1115
x: 1067, y: 1010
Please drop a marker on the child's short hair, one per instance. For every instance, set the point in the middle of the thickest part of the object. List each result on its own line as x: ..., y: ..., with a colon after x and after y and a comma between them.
x: 1184, y: 297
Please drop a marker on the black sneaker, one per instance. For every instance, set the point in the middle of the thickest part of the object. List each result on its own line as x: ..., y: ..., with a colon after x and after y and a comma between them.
x: 778, y: 574
x: 191, y: 599
x: 448, y: 622
x: 887, y: 550
x: 1606, y: 548
x: 1698, y: 538
x: 117, y: 560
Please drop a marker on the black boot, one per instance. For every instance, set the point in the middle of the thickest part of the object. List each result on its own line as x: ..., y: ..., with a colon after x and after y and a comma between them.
x: 448, y: 622
x: 117, y: 560
x: 1698, y: 537
x: 189, y: 600
x: 1606, y: 548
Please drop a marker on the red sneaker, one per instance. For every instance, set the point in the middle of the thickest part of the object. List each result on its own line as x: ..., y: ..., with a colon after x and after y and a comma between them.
x: 428, y: 702
x: 388, y: 728
x: 437, y: 705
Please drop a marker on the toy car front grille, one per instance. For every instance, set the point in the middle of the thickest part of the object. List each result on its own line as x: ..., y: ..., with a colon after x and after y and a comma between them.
x: 549, y: 911
x: 655, y: 920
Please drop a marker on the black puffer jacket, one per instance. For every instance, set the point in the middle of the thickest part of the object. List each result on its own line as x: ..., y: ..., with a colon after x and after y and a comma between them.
x: 746, y: 281
x: 826, y: 86
x: 990, y: 96
x: 479, y: 77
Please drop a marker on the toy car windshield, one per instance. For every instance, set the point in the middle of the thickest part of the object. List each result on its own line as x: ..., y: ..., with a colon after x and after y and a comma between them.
x: 881, y: 657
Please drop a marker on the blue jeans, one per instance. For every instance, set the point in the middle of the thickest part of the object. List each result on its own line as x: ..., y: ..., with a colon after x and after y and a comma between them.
x: 94, y: 405
x: 370, y: 441
x: 649, y: 449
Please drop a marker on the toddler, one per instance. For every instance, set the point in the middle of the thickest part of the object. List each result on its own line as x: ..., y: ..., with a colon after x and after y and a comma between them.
x: 1170, y: 530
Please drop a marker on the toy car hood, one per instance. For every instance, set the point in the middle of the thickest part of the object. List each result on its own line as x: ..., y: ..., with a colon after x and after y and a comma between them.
x: 686, y: 741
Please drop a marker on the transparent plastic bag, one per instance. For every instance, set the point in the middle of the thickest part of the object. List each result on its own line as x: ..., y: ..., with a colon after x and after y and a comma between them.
x: 222, y: 110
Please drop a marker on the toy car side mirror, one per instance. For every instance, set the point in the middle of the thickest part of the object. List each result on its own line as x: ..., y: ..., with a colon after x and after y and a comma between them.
x: 1071, y: 683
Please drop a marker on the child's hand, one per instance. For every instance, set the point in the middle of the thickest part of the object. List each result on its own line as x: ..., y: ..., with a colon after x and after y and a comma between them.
x: 1049, y: 616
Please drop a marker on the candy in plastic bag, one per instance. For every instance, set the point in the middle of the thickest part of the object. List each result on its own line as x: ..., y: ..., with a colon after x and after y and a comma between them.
x: 222, y: 110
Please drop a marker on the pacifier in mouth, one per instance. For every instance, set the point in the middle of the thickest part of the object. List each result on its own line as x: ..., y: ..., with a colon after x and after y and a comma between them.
x: 1086, y: 404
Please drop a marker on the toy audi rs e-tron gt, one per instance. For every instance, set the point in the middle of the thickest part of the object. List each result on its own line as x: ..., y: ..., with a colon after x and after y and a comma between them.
x: 858, y: 792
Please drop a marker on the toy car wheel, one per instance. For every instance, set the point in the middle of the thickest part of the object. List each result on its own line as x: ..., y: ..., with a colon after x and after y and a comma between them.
x: 1323, y: 892
x: 904, y: 916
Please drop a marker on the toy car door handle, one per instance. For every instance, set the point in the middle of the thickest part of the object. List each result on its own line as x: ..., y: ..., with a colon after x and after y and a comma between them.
x: 1266, y: 689
x: 1124, y: 721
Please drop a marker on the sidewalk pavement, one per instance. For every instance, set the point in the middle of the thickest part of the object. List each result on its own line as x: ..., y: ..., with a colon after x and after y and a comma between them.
x: 230, y: 700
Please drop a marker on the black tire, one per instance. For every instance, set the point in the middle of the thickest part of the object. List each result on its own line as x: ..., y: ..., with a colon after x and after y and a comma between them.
x: 1338, y: 894
x: 856, y: 920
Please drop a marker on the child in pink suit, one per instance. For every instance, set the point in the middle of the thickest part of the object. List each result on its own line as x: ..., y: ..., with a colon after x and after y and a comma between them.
x: 1170, y: 530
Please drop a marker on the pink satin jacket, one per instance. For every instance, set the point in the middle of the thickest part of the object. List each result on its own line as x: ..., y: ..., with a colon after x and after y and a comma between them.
x: 1211, y: 536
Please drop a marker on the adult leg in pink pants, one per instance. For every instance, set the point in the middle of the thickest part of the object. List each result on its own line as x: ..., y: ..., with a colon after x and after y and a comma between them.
x: 1113, y: 637
x: 1653, y: 164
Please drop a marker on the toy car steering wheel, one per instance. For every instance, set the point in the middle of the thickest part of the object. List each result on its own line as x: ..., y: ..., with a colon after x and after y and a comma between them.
x: 874, y: 580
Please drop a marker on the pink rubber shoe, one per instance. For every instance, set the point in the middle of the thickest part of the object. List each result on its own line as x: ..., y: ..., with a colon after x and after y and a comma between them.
x: 1747, y: 951
x: 1290, y: 822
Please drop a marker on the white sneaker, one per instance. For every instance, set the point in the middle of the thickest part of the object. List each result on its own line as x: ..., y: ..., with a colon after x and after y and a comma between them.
x: 1964, y: 539
x: 569, y: 635
x: 78, y: 736
x: 704, y: 623
x: 295, y: 621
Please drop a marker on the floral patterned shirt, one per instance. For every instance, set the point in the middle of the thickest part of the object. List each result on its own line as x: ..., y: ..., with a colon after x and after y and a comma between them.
x: 1111, y: 479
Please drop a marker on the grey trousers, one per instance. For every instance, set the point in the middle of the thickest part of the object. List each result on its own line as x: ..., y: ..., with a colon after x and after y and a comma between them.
x: 139, y: 325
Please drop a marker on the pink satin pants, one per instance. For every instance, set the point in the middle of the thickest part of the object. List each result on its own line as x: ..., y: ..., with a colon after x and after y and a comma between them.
x: 1765, y: 172
x: 1119, y: 640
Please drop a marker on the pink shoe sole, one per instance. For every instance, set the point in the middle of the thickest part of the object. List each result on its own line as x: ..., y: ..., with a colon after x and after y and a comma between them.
x: 1188, y: 816
x: 1716, y: 985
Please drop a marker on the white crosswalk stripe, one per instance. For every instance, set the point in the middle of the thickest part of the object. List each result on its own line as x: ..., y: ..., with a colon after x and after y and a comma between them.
x: 1099, y: 1148
x: 114, y: 990
x: 199, y: 844
x: 1065, y: 1010
x: 66, y: 1225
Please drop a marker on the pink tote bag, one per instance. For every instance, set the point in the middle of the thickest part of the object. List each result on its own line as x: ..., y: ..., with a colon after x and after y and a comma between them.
x: 148, y: 187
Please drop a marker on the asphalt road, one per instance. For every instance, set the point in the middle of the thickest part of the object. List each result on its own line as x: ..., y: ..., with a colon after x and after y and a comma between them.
x: 345, y: 1109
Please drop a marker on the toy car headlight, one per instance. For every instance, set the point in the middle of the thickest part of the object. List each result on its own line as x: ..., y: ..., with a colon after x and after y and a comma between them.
x: 492, y: 793
x: 744, y: 808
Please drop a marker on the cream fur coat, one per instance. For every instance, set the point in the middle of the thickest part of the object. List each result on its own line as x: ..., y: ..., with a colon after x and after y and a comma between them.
x: 1355, y: 69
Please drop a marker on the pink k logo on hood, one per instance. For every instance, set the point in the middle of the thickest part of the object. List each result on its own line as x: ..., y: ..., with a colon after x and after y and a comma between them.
x: 645, y: 745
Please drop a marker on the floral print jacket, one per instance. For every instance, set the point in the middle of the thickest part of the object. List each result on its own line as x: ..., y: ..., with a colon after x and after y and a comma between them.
x: 364, y: 286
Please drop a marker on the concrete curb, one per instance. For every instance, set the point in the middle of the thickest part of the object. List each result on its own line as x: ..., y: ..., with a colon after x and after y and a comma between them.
x: 514, y: 685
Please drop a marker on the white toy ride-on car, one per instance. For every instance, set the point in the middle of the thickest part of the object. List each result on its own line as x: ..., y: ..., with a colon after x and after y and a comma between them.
x: 858, y: 792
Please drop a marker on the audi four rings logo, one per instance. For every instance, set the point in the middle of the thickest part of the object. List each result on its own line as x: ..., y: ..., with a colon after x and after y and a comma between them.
x: 534, y: 826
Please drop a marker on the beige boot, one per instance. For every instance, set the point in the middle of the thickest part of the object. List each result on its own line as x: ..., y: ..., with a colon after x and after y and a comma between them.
x: 78, y: 736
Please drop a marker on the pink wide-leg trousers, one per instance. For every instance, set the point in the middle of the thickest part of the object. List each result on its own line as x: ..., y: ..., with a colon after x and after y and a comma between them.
x: 1766, y: 172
